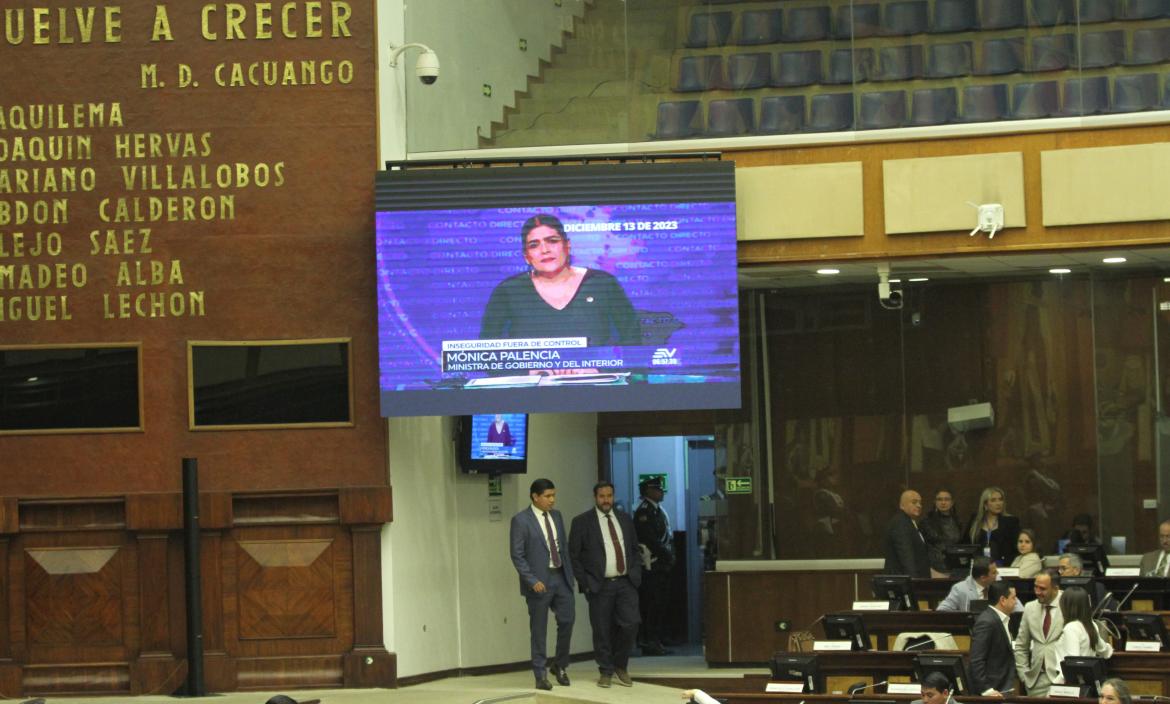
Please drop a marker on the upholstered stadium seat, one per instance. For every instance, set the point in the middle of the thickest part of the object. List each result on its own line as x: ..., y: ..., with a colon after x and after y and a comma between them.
x: 899, y: 63
x: 1053, y: 52
x: 831, y: 112
x: 781, y: 114
x: 806, y: 24
x: 748, y: 71
x: 882, y: 110
x: 857, y: 21
x: 731, y: 117
x: 1150, y: 46
x: 1135, y: 92
x: 797, y: 68
x: 1037, y: 99
x: 1085, y: 96
x: 1101, y: 49
x: 709, y: 29
x: 1096, y: 11
x: 1047, y: 13
x: 933, y: 106
x: 1145, y: 9
x: 904, y: 18
x: 1002, y: 14
x: 999, y: 56
x: 849, y: 66
x: 696, y: 73
x: 985, y: 103
x: 953, y: 16
x: 677, y: 119
x: 948, y: 60
x: 758, y: 27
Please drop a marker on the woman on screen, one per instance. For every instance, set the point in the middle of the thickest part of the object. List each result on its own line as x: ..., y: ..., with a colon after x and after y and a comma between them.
x: 556, y: 299
x: 499, y: 432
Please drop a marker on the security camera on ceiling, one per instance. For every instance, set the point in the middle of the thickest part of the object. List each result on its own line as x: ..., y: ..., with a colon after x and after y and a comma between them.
x: 888, y: 297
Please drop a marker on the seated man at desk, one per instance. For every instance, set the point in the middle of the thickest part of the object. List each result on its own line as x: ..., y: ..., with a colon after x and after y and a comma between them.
x: 1071, y: 565
x: 1156, y: 563
x: 936, y: 689
x: 983, y: 573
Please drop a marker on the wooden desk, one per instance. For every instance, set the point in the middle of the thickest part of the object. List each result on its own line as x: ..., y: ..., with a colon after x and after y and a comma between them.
x: 736, y: 697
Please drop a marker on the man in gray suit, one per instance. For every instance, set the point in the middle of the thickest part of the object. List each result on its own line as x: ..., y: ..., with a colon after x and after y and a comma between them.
x: 1040, y: 627
x: 539, y: 548
x: 992, y: 674
x: 1156, y: 563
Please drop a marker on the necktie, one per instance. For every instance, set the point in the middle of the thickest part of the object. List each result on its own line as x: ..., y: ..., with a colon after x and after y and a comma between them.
x: 1160, y: 570
x: 617, y: 544
x: 1047, y: 619
x: 552, y: 542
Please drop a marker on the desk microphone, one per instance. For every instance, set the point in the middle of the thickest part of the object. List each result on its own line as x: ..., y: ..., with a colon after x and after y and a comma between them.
x: 854, y: 691
x: 1127, y: 595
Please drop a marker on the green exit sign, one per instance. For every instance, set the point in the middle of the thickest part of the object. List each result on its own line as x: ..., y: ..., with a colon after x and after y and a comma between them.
x: 737, y: 485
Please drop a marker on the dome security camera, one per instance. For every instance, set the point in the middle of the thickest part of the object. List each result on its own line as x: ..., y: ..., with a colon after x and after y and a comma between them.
x: 427, y: 67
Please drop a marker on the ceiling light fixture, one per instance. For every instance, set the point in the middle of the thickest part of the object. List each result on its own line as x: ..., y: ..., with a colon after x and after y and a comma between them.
x: 1113, y: 260
x: 828, y: 272
x: 918, y: 279
x: 1059, y: 270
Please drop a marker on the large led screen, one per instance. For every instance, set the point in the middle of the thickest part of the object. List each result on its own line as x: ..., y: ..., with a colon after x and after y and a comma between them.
x: 556, y: 307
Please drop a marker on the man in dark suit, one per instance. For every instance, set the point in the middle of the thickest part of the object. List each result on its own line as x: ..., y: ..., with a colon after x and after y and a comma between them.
x: 905, y: 546
x: 993, y: 664
x: 1156, y: 563
x: 604, y: 547
x: 540, y: 553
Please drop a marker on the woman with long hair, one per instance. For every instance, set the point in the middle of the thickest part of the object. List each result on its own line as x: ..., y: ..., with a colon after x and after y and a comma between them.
x: 1080, y: 636
x: 993, y: 527
x: 1115, y: 691
x: 1029, y: 562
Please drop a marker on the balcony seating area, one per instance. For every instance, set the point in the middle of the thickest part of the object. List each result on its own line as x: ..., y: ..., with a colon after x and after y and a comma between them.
x: 790, y: 66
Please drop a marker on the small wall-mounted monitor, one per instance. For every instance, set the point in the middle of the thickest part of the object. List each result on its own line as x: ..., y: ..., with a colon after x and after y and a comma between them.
x: 898, y: 589
x: 1092, y: 554
x: 950, y: 666
x: 1087, y: 673
x: 958, y: 558
x: 791, y: 668
x: 848, y: 627
x: 1082, y: 581
x: 1145, y: 627
x: 495, y: 443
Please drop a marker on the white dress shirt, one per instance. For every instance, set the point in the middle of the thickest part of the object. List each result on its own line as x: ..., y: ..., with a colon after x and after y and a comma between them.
x: 543, y: 531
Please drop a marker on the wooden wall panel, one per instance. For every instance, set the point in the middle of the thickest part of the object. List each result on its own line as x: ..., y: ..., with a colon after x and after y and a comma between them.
x: 875, y: 244
x: 102, y: 611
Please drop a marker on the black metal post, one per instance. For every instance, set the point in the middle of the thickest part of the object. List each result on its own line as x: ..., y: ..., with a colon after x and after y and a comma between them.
x: 195, y: 687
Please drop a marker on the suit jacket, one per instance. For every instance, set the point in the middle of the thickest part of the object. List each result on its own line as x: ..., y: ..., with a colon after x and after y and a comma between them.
x: 905, y: 548
x: 1002, y: 543
x: 587, y: 549
x: 530, y: 553
x: 991, y: 654
x: 1034, y: 651
x: 1150, y: 561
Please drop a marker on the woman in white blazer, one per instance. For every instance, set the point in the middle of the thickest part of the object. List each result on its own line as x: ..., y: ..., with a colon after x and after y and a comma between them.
x: 1080, y: 637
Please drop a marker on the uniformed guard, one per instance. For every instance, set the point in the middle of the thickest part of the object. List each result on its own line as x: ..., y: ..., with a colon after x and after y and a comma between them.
x: 656, y: 542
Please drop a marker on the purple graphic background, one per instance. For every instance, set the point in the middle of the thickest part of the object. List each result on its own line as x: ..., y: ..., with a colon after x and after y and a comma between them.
x: 675, y: 261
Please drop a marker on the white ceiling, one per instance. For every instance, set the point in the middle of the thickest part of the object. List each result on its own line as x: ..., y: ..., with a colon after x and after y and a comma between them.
x: 1000, y: 266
